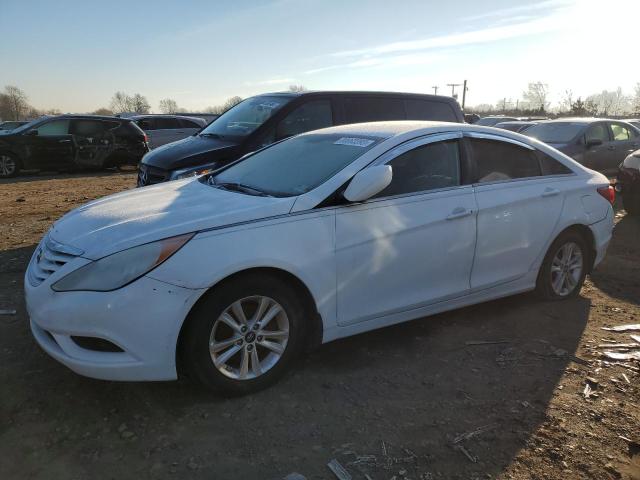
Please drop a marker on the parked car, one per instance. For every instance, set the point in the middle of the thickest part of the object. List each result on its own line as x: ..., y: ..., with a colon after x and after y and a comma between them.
x: 71, y: 141
x: 8, y: 126
x: 261, y: 120
x: 596, y: 143
x: 471, y: 117
x: 491, y: 121
x: 318, y: 237
x: 515, y: 126
x: 628, y: 183
x: 634, y: 121
x: 163, y: 129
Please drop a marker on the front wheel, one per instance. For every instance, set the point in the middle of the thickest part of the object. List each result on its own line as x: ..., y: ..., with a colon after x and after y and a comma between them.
x: 244, y: 335
x: 564, y: 268
x: 631, y: 202
x: 9, y: 165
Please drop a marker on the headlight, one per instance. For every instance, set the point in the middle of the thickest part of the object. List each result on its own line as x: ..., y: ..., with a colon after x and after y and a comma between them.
x: 192, y: 172
x: 120, y: 269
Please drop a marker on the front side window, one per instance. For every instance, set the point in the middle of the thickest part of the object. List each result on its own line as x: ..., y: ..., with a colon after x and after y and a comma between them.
x: 620, y: 132
x: 428, y: 167
x: 295, y: 166
x: 309, y: 116
x: 245, y: 117
x: 597, y: 132
x: 167, y: 123
x: 502, y: 161
x: 55, y: 127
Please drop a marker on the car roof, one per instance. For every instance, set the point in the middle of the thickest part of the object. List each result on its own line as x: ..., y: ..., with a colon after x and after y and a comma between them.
x: 164, y: 115
x: 439, y: 98
x: 584, y: 120
x: 84, y: 117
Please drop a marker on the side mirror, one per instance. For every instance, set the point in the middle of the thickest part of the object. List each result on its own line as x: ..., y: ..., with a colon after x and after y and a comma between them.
x: 594, y: 142
x: 368, y: 182
x: 32, y: 133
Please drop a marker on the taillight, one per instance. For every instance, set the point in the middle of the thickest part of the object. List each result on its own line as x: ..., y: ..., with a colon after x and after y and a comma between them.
x: 146, y: 138
x: 608, y: 193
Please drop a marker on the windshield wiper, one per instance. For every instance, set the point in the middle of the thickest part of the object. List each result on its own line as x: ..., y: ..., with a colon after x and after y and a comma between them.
x: 238, y: 187
x: 212, y: 135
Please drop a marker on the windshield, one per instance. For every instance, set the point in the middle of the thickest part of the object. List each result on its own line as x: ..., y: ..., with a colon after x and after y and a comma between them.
x: 554, y: 132
x: 26, y: 126
x: 244, y: 118
x: 295, y: 166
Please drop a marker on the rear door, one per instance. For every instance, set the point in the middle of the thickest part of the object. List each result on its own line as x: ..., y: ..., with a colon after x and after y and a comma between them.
x: 598, y: 157
x: 94, y: 140
x: 517, y: 209
x: 412, y: 244
x: 52, y: 146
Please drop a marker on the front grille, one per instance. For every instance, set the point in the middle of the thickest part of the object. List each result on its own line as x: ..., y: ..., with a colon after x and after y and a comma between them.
x: 151, y: 175
x: 50, y: 256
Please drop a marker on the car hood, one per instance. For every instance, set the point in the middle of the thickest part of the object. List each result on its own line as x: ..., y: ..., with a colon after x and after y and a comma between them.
x: 143, y: 215
x: 190, y: 151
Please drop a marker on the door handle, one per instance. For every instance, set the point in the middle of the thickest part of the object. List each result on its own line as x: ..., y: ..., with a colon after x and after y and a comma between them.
x: 611, y: 147
x: 64, y: 141
x: 459, y: 212
x: 550, y: 192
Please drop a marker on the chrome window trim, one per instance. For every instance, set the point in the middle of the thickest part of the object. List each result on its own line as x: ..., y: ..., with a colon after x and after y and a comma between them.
x: 498, y: 138
x: 412, y: 144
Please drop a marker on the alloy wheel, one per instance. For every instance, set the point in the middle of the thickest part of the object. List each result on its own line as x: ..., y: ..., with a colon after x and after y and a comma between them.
x: 566, y: 269
x: 249, y: 337
x: 7, y: 165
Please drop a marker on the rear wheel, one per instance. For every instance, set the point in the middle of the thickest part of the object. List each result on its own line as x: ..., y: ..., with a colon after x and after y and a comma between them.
x: 564, y: 268
x: 244, y: 335
x: 9, y: 165
x: 631, y: 202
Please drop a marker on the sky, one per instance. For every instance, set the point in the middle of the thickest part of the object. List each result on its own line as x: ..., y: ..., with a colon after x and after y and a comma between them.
x: 74, y: 54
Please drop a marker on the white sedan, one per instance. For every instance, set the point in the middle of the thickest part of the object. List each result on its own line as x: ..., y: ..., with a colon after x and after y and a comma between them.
x: 229, y: 276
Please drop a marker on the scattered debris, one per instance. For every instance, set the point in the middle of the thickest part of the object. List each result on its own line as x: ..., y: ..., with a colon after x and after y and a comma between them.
x: 473, y: 433
x: 7, y: 312
x: 622, y: 356
x: 635, y: 337
x: 485, y: 342
x: 338, y: 470
x: 619, y: 345
x: 295, y: 476
x: 466, y: 453
x: 626, y: 379
x: 588, y: 392
x: 623, y: 328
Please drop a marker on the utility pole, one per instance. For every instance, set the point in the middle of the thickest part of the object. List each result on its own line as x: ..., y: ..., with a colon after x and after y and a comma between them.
x: 453, y: 88
x: 464, y: 94
x: 435, y: 89
x: 504, y: 105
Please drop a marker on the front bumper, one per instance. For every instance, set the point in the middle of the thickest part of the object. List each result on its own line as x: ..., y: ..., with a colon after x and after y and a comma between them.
x: 143, y: 319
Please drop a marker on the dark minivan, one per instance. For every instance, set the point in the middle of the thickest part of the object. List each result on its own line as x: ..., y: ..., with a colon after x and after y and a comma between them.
x: 261, y: 120
x: 67, y: 142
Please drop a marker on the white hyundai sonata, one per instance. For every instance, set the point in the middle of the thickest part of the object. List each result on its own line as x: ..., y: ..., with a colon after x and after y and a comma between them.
x: 230, y: 275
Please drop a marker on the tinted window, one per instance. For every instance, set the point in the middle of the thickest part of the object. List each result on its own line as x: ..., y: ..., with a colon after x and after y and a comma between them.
x: 550, y: 166
x: 184, y: 123
x: 498, y: 161
x: 88, y: 128
x: 372, y: 109
x: 297, y: 165
x: 55, y: 127
x: 431, y: 166
x: 167, y: 123
x: 620, y: 132
x: 555, y: 132
x: 428, y: 110
x: 597, y: 132
x: 147, y: 123
x: 309, y: 116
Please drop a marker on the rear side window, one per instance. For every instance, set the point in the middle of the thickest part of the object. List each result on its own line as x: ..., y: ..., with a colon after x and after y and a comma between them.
x: 428, y: 167
x: 373, y: 109
x: 147, y: 123
x: 184, y: 123
x: 501, y: 161
x: 428, y: 110
x: 167, y: 123
x: 87, y: 128
x: 550, y: 166
x: 308, y: 116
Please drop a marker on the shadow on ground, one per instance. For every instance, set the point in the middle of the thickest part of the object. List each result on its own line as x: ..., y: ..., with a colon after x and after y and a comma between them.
x: 415, y: 387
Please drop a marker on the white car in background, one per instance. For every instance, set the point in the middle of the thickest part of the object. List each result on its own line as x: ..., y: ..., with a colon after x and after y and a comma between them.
x: 327, y: 234
x: 163, y: 129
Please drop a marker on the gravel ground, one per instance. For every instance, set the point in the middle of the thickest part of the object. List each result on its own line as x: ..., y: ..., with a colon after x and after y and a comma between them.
x: 414, y: 401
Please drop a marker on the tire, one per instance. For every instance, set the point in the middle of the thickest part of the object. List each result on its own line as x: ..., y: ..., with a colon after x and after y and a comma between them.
x: 631, y: 203
x: 574, y: 244
x: 9, y: 165
x: 206, y: 328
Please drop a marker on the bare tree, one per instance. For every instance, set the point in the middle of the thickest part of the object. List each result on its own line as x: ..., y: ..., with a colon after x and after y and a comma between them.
x: 611, y: 102
x: 15, y: 102
x: 140, y: 104
x: 218, y: 109
x: 567, y: 100
x: 297, y: 88
x: 168, y: 105
x: 636, y: 100
x: 120, y: 103
x: 102, y: 111
x: 536, y: 95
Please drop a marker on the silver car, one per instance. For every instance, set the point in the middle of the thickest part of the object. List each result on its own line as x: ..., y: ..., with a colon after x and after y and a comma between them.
x: 162, y: 129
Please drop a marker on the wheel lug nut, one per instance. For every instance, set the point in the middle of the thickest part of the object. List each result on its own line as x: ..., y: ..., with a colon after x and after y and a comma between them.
x: 243, y: 329
x: 256, y: 326
x: 249, y: 347
x: 260, y: 338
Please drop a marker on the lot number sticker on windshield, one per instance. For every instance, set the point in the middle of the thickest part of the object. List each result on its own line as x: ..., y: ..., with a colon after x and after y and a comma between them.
x: 354, y: 142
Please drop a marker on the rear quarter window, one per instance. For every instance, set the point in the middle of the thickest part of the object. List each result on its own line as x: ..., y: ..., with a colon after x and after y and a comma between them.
x: 550, y: 166
x: 429, y: 110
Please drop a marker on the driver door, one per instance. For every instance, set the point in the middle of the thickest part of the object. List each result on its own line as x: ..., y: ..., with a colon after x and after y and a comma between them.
x: 413, y: 243
x: 52, y: 146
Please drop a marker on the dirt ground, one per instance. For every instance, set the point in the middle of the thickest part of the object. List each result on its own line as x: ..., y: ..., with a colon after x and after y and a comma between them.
x: 394, y: 403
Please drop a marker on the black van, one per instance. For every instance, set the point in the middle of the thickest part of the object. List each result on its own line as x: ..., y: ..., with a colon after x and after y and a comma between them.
x: 261, y: 120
